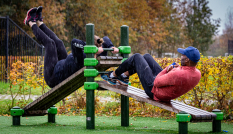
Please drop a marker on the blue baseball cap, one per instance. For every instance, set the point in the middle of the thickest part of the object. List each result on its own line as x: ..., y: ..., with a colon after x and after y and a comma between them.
x: 191, y: 52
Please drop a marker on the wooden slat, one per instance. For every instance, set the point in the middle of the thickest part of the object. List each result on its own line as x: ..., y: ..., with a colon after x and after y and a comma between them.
x: 195, y: 112
x: 105, y: 63
x: 101, y: 58
x: 109, y: 58
x: 198, y: 115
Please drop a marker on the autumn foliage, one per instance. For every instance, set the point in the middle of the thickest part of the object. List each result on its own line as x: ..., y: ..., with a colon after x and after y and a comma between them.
x: 154, y: 26
x: 25, y: 77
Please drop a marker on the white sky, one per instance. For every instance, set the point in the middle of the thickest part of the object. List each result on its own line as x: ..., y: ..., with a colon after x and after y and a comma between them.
x: 219, y: 10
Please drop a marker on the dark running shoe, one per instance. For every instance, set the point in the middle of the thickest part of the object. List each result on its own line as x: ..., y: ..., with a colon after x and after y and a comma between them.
x: 111, y: 81
x: 123, y: 81
x: 39, y: 13
x: 31, y: 16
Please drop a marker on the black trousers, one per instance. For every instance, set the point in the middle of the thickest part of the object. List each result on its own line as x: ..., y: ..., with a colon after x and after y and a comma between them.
x: 146, y: 68
x: 57, y: 64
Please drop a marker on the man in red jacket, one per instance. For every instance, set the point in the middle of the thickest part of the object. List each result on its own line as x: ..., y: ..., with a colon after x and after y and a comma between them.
x: 159, y: 84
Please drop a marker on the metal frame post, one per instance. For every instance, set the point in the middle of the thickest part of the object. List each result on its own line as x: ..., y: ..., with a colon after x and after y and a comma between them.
x: 52, y: 111
x: 183, y: 118
x: 6, y: 47
x: 16, y: 112
x: 124, y: 99
x: 216, y: 124
x: 90, y: 94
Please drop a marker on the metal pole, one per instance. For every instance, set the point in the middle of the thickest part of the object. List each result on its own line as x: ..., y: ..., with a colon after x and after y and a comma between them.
x: 6, y: 47
x: 90, y: 94
x: 124, y: 99
x: 216, y: 124
x: 183, y: 127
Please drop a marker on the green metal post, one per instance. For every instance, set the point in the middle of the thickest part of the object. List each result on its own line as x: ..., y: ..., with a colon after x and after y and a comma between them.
x: 125, y: 38
x: 16, y: 112
x: 124, y: 99
x: 183, y: 118
x: 52, y: 111
x: 51, y: 118
x: 90, y: 94
x: 183, y: 127
x: 216, y: 124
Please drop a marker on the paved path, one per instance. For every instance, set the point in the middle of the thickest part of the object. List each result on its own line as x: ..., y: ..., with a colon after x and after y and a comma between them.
x: 19, y: 97
x: 101, y: 99
x: 33, y: 97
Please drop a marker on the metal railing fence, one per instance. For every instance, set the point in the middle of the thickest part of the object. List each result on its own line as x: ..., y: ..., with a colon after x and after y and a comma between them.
x: 16, y: 44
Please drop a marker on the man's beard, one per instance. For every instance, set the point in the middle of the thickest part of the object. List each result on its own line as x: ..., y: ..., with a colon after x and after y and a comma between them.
x: 183, y: 62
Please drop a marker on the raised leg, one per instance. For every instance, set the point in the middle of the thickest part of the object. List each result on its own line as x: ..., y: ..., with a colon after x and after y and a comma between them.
x: 140, y: 65
x: 155, y: 67
x: 50, y: 58
x: 61, y: 51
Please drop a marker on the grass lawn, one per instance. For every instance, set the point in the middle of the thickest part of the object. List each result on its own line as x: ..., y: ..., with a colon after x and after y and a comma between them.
x: 5, y: 89
x: 103, y: 124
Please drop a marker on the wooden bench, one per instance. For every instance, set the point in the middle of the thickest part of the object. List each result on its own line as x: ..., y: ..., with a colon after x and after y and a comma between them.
x: 198, y: 115
x: 39, y: 106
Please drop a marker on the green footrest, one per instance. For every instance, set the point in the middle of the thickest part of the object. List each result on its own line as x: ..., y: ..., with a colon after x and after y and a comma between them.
x: 90, y: 72
x: 90, y: 49
x: 90, y: 62
x: 218, y: 113
x: 183, y: 117
x: 91, y: 85
x: 16, y: 111
x: 52, y: 110
x: 124, y: 49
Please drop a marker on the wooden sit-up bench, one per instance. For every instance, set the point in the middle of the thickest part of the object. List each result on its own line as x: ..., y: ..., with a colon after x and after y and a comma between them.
x: 185, y: 113
x: 44, y: 104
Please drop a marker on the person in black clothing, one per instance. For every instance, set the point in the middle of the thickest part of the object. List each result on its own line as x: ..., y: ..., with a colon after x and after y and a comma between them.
x: 58, y: 65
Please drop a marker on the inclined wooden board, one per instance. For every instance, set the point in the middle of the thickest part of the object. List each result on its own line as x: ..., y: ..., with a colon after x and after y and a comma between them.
x: 198, y: 115
x: 181, y: 106
x: 60, y: 91
x: 65, y: 88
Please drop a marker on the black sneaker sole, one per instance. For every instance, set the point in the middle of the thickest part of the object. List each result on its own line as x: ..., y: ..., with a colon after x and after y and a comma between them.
x: 25, y: 20
x: 122, y: 83
x: 39, y: 8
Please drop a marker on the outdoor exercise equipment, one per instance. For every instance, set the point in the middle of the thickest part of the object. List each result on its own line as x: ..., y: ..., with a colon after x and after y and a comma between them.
x: 44, y: 104
x: 90, y: 49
